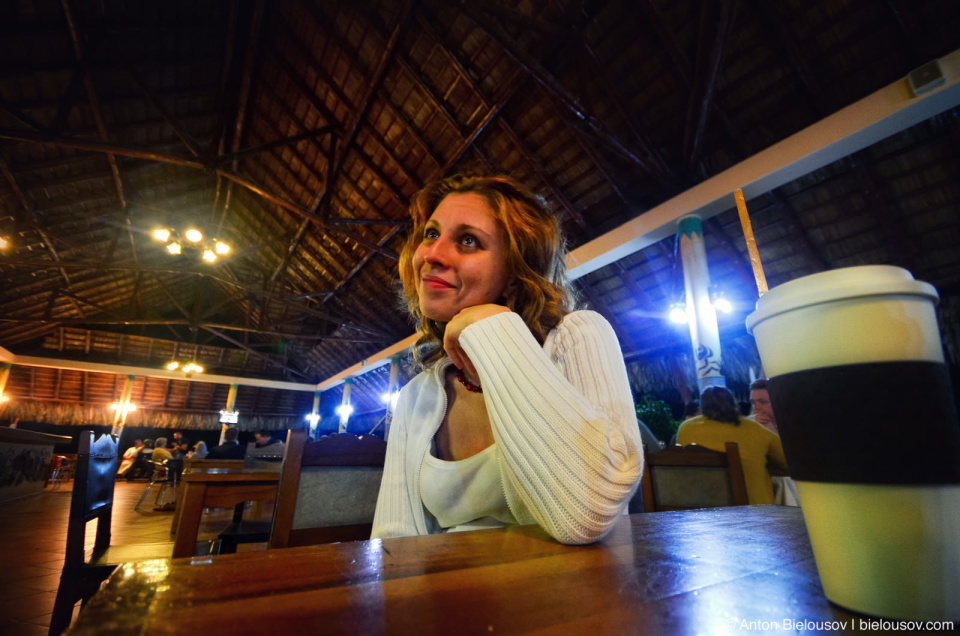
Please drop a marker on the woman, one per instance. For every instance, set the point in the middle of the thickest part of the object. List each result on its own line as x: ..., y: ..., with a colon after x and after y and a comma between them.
x: 721, y: 422
x: 199, y: 450
x: 523, y: 413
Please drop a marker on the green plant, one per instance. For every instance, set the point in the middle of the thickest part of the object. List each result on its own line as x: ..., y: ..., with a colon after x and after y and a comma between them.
x: 657, y: 416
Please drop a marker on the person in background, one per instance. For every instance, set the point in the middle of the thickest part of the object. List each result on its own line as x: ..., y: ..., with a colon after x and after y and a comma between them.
x: 523, y: 413
x: 179, y: 446
x: 690, y: 409
x: 760, y: 404
x: 160, y: 451
x: 141, y: 465
x: 230, y: 449
x: 199, y: 450
x: 129, y: 459
x: 721, y: 422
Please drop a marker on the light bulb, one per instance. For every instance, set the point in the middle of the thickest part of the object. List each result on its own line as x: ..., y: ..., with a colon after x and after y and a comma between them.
x: 344, y: 410
x: 161, y: 234
x: 173, y: 248
x: 209, y: 256
x: 722, y: 304
x: 173, y: 365
x: 193, y: 235
x: 3, y: 243
x: 678, y: 316
x: 197, y: 368
x: 221, y: 248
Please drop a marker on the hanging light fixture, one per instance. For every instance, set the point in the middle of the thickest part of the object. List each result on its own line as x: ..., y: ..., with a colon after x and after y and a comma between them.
x: 210, y: 249
x: 189, y: 367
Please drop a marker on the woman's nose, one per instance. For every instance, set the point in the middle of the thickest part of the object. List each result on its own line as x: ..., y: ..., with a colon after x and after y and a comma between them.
x: 438, y: 253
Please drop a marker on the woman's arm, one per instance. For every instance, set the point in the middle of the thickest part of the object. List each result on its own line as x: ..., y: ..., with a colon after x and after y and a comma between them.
x: 568, y: 436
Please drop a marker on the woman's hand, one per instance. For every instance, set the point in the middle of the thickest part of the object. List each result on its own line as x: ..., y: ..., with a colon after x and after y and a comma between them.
x: 451, y: 336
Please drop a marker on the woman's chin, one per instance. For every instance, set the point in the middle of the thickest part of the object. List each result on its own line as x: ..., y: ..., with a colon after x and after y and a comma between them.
x: 437, y: 315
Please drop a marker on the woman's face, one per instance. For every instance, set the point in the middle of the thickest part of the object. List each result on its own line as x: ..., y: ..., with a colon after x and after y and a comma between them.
x: 460, y: 262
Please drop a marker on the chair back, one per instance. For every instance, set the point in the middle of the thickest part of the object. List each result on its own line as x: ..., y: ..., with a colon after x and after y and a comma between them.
x: 328, y: 489
x: 93, y: 483
x: 688, y: 477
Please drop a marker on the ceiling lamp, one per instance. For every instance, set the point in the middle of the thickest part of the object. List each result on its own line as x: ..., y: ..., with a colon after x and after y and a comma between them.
x: 189, y: 367
x: 678, y: 314
x: 3, y: 243
x: 210, y: 249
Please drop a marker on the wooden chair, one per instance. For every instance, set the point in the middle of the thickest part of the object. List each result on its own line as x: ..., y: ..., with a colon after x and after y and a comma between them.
x: 328, y: 489
x: 93, y: 483
x: 167, y: 473
x: 253, y: 530
x: 689, y: 477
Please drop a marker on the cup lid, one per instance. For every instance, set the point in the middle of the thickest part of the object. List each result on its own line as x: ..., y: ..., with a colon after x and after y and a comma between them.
x: 838, y: 284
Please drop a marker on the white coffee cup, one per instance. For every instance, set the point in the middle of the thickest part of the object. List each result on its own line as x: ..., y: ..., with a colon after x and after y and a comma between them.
x: 862, y: 398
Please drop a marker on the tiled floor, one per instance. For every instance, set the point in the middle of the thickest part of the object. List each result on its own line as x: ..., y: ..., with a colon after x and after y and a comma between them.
x: 33, y: 531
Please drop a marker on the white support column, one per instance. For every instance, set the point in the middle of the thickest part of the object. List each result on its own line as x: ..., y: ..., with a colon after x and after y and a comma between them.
x: 345, y: 408
x: 391, y: 391
x: 702, y: 317
x: 314, y: 417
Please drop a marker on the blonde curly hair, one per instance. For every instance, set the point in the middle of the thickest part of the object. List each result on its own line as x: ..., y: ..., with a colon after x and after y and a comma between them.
x: 534, y: 246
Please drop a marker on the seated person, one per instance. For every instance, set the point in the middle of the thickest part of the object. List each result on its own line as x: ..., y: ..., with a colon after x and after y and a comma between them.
x: 523, y: 413
x: 129, y: 458
x: 141, y: 465
x: 721, y: 422
x: 230, y: 449
x: 266, y: 445
x: 760, y: 404
x: 199, y: 450
x: 160, y: 451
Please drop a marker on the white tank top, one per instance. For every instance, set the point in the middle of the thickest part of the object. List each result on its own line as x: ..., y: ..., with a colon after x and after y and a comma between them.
x: 465, y: 494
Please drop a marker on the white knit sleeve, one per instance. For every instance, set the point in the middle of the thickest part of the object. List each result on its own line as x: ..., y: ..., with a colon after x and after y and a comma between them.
x: 394, y: 516
x: 567, y: 432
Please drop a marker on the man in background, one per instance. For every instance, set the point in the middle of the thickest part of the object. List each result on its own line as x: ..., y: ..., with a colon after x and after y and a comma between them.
x: 230, y: 449
x: 760, y: 406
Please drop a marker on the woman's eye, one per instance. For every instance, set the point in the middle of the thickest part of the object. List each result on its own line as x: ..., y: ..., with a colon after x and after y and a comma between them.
x: 470, y: 240
x: 430, y: 233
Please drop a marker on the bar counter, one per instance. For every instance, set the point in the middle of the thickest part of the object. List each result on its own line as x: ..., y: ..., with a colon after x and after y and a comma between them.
x: 703, y: 571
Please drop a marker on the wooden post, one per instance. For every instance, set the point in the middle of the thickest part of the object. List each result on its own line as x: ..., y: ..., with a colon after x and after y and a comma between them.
x: 702, y: 317
x: 231, y: 403
x: 121, y: 416
x: 4, y: 376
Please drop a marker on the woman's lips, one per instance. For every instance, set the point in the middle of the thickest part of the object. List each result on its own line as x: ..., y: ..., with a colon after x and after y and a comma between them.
x: 436, y: 283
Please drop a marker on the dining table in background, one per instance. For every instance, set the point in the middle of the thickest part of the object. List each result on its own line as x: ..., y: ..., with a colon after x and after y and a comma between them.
x: 714, y: 571
x: 213, y: 487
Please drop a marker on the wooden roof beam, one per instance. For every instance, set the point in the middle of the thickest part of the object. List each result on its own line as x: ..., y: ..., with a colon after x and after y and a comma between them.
x: 243, y: 98
x: 363, y: 107
x: 709, y: 59
x: 535, y: 70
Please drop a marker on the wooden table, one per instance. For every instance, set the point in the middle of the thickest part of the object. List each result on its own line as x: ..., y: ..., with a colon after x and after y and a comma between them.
x: 218, y: 488
x: 700, y: 571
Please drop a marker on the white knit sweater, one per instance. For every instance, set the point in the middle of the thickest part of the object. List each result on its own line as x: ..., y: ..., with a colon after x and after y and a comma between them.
x: 563, y: 418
